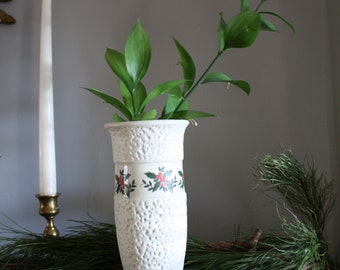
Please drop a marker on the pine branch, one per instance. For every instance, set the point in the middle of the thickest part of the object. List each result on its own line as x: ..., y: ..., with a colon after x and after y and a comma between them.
x: 307, y: 194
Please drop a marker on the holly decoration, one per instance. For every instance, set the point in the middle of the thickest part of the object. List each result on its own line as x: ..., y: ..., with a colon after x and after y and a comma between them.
x: 123, y: 185
x: 164, y: 180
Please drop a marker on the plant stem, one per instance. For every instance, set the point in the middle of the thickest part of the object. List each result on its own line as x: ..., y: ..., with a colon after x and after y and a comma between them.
x: 259, y: 5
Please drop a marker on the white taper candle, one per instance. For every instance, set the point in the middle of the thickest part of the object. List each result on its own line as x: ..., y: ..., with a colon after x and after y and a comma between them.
x: 47, y: 164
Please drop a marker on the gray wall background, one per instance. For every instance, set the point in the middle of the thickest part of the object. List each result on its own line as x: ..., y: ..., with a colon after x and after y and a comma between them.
x: 294, y: 102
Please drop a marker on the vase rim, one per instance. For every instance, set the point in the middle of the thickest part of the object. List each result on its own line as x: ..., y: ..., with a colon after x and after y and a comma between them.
x: 147, y: 123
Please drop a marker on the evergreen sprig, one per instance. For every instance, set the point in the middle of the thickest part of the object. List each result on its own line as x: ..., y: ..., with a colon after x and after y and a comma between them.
x: 93, y: 245
x: 308, y: 194
x: 88, y: 245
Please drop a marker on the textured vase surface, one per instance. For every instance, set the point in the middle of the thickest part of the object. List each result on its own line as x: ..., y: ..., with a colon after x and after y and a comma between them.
x: 150, y: 201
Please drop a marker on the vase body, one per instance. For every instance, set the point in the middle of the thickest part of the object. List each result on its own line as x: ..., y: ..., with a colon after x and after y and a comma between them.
x: 150, y: 201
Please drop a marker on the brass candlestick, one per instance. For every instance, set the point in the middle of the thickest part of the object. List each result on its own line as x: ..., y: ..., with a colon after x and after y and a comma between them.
x: 49, y: 209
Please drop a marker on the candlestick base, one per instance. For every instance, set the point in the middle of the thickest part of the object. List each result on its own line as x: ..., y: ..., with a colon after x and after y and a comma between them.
x: 49, y: 209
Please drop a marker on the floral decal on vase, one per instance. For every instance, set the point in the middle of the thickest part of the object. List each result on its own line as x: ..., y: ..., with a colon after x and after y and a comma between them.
x: 122, y: 183
x: 163, y: 180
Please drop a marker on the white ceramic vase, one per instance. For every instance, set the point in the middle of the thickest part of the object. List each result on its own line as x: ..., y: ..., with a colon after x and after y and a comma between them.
x: 150, y: 201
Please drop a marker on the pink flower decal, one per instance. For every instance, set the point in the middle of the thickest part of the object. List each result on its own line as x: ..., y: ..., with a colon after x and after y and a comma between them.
x: 161, y: 179
x: 164, y: 180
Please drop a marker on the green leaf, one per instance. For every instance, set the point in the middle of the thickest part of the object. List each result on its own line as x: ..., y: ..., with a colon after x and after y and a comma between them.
x: 216, y: 77
x: 116, y: 61
x: 243, y: 85
x: 157, y: 185
x: 220, y: 77
x: 161, y: 89
x: 139, y: 95
x: 267, y: 25
x: 127, y: 97
x: 187, y: 115
x: 149, y: 115
x: 117, y: 119
x: 222, y: 25
x: 150, y: 175
x: 112, y: 101
x: 137, y: 53
x: 244, y: 5
x: 188, y: 66
x: 242, y: 30
x: 291, y: 26
x: 175, y: 96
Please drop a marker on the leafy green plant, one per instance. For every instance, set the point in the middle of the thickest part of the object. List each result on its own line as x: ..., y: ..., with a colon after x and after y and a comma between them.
x: 130, y: 67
